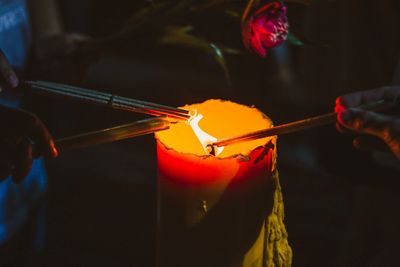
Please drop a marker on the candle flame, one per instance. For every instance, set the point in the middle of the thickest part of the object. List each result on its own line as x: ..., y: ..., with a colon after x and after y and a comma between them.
x: 204, y: 138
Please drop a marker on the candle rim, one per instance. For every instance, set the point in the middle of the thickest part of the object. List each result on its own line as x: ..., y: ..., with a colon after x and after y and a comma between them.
x: 238, y: 156
x: 241, y: 155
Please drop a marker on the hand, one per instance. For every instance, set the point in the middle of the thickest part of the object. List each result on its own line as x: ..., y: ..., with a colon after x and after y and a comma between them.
x: 20, y: 130
x: 63, y: 57
x: 376, y: 131
x: 8, y: 78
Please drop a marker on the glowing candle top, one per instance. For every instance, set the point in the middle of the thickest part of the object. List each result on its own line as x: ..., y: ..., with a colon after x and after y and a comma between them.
x: 216, y: 119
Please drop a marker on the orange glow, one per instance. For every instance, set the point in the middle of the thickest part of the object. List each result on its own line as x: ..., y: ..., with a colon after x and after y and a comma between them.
x: 221, y: 119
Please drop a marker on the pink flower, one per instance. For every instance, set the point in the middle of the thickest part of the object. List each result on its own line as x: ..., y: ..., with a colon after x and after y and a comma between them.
x: 266, y: 28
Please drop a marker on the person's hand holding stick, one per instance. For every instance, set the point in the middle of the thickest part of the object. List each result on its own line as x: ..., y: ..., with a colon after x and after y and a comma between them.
x: 18, y: 132
x: 374, y: 131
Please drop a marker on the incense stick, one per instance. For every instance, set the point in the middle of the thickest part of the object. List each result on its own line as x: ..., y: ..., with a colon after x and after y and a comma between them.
x: 301, y: 124
x: 113, y: 134
x: 109, y: 100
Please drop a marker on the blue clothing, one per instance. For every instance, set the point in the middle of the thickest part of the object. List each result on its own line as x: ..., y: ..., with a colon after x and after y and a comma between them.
x: 15, y: 32
x: 17, y: 200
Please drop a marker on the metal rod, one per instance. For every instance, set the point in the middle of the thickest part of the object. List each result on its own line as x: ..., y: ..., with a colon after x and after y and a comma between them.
x: 109, y: 100
x: 301, y: 124
x: 113, y: 134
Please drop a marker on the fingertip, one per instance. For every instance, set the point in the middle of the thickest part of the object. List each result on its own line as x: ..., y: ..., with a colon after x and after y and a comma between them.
x: 340, y: 104
x: 339, y: 108
x: 338, y: 101
x: 53, y: 150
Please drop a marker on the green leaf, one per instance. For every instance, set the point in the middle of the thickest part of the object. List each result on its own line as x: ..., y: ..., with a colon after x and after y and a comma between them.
x: 294, y: 40
x: 181, y: 35
x: 219, y: 57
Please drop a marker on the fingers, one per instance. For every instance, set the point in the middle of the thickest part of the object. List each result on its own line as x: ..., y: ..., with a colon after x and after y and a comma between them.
x: 35, y: 129
x: 365, y: 122
x: 8, y: 77
x: 384, y: 127
x: 16, y: 157
x: 365, y: 97
x: 28, y: 124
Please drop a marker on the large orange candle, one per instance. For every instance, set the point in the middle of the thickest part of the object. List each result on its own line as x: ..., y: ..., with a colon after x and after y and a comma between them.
x: 223, y: 210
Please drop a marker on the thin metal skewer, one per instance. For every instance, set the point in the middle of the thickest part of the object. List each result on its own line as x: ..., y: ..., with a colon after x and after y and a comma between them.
x: 301, y: 124
x: 110, y: 100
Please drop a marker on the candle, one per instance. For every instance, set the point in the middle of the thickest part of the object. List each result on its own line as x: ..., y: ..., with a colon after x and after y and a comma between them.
x: 223, y: 210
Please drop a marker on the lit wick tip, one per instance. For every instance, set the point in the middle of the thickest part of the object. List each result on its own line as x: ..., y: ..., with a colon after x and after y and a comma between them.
x: 211, y: 149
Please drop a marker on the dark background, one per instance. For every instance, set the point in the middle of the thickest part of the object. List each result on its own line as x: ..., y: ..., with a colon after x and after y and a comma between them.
x: 101, y: 201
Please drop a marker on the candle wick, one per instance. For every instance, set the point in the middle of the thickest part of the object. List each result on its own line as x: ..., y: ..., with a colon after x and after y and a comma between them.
x: 211, y: 149
x: 204, y: 138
